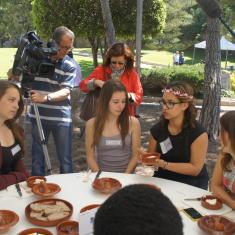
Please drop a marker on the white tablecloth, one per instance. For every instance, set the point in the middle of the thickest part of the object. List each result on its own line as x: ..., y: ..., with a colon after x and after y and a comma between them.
x: 80, y: 194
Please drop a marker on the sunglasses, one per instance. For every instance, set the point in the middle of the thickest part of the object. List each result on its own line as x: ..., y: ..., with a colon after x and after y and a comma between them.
x: 117, y: 62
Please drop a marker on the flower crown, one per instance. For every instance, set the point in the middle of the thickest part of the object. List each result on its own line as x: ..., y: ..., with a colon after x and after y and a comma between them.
x: 178, y: 93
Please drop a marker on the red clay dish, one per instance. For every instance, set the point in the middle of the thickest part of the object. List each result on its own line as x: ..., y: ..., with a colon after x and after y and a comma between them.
x: 106, y: 185
x: 31, y: 231
x: 206, y: 202
x: 70, y: 227
x: 7, y: 220
x: 216, y: 225
x: 48, y: 212
x: 150, y: 158
x: 31, y: 180
x: 46, y: 189
x: 89, y: 207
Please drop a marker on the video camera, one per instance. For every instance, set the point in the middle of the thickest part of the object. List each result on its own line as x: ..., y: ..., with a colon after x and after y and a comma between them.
x: 32, y: 60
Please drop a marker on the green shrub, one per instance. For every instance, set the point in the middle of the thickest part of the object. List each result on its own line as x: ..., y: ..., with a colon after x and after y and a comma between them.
x: 227, y: 93
x: 155, y: 79
x: 232, y: 79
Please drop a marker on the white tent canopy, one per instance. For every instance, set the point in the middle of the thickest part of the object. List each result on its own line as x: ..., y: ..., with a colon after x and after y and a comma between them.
x: 224, y: 45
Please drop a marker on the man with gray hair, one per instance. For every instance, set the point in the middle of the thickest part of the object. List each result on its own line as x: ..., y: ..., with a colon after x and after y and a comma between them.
x: 52, y: 96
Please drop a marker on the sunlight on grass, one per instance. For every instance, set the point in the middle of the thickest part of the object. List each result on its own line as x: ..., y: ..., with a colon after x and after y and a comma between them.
x: 83, y: 57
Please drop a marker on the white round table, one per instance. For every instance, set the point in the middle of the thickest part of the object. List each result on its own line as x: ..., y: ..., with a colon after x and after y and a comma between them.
x: 80, y: 194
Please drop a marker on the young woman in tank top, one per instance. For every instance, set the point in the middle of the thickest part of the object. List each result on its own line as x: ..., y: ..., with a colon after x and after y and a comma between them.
x: 112, y: 137
x: 223, y: 179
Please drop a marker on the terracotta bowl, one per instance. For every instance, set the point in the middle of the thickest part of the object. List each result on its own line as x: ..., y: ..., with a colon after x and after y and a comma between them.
x: 106, y: 185
x: 35, y: 231
x: 48, y: 221
x: 206, y: 202
x: 46, y: 189
x: 150, y: 158
x: 89, y: 207
x: 216, y: 225
x: 153, y: 186
x: 70, y: 227
x: 7, y: 220
x: 31, y: 180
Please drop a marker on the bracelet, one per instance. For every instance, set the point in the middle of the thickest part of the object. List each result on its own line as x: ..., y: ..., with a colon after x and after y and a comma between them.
x: 165, y: 166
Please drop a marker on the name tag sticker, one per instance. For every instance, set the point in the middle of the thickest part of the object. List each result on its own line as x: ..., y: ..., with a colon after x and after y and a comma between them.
x: 166, y: 145
x: 113, y: 142
x: 15, y: 150
x: 86, y: 221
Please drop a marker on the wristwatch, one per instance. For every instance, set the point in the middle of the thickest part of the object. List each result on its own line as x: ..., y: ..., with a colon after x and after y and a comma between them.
x: 49, y: 98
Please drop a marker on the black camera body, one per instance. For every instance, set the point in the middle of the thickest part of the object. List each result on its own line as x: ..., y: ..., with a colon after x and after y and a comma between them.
x: 32, y: 60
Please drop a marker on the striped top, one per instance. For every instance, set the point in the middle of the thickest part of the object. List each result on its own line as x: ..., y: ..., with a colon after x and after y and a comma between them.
x: 111, y: 156
x: 56, y: 111
x: 229, y: 178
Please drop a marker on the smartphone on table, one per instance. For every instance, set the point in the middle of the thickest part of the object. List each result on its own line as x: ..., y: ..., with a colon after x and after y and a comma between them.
x: 192, y: 213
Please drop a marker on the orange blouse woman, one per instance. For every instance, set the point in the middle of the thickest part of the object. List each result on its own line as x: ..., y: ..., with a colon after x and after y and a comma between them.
x: 119, y: 65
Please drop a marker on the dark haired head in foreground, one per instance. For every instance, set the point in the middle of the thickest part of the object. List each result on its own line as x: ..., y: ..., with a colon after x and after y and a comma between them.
x: 138, y: 210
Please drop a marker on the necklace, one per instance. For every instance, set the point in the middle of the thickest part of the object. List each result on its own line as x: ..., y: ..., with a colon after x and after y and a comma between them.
x: 174, y: 131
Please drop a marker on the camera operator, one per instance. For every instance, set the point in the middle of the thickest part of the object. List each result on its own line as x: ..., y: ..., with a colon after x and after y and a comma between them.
x: 52, y: 96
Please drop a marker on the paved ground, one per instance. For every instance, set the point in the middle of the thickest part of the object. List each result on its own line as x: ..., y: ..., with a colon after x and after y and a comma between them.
x: 149, y: 114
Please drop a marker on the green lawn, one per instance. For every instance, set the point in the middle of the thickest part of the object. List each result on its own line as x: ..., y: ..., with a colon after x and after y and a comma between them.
x: 148, y: 56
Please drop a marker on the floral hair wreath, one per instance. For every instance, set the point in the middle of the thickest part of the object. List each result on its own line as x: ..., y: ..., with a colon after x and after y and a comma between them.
x: 178, y: 93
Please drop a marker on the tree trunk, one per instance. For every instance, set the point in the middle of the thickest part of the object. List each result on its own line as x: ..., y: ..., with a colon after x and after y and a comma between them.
x: 210, y: 112
x: 108, y: 22
x: 139, y: 34
x: 94, y: 41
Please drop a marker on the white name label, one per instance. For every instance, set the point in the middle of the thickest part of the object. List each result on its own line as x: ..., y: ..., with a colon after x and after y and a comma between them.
x: 113, y: 142
x: 15, y: 150
x: 166, y: 145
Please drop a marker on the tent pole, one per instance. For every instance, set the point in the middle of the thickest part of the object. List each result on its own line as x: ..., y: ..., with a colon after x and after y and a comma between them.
x: 193, y: 55
x: 226, y: 59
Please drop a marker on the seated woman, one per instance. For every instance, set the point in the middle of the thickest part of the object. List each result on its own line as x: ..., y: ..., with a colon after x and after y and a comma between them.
x: 223, y: 179
x: 112, y: 137
x: 118, y: 65
x: 179, y: 138
x: 12, y: 169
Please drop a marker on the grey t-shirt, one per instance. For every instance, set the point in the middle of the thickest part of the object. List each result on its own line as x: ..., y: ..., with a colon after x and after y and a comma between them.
x: 112, y: 155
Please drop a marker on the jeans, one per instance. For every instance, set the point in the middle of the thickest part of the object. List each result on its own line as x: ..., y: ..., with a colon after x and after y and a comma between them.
x: 63, y: 141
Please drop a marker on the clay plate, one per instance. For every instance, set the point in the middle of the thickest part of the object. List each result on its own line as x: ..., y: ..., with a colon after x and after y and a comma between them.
x: 89, y: 207
x: 106, y: 185
x: 30, y: 181
x: 36, y: 231
x: 209, y: 206
x: 150, y: 158
x: 216, y: 224
x: 68, y: 227
x: 46, y: 189
x: 51, y: 201
x: 153, y: 186
x: 7, y: 220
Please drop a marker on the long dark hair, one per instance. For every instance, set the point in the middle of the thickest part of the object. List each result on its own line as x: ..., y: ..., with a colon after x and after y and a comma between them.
x: 106, y: 93
x: 11, y: 124
x: 120, y: 49
x: 190, y: 113
x: 227, y: 123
